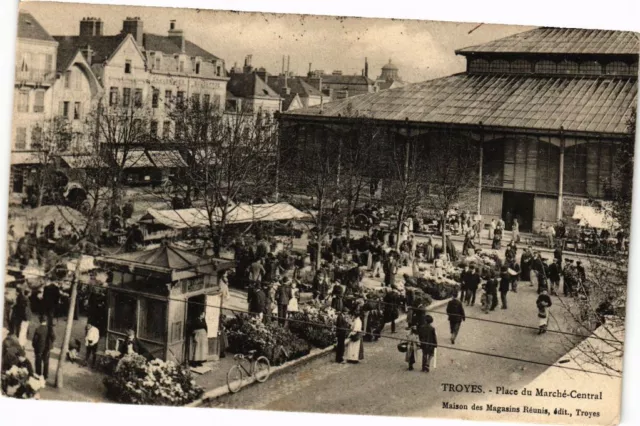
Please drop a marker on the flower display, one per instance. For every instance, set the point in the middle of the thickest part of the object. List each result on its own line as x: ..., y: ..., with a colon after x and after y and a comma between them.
x: 138, y: 381
x: 17, y: 383
x: 438, y: 288
x: 304, y: 322
x: 247, y: 333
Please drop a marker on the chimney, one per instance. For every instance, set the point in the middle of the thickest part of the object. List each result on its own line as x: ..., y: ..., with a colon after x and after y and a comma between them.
x: 309, y: 73
x: 134, y: 27
x: 247, y: 64
x: 285, y: 91
x: 91, y: 27
x: 176, y: 36
x: 288, y: 64
x: 316, y: 81
x: 263, y: 74
x: 366, y: 67
x: 87, y: 52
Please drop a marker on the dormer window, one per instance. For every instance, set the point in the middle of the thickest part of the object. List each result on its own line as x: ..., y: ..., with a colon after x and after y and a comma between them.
x: 568, y: 67
x: 500, y: 66
x: 617, y: 68
x: 181, y: 66
x: 591, y: 68
x: 546, y: 67
x: 127, y: 67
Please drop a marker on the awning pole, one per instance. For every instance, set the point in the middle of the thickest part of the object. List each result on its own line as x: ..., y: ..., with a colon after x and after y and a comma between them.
x: 560, y: 176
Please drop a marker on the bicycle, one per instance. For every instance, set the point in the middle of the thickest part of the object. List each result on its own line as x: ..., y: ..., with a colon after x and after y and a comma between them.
x: 258, y: 368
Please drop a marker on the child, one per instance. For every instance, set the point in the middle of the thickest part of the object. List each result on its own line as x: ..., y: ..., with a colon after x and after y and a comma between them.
x: 74, y: 349
x: 413, y: 342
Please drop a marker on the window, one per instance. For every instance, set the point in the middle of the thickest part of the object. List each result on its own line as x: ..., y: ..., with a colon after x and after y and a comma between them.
x: 195, y: 98
x: 154, y: 129
x: 479, y: 65
x: 137, y: 125
x: 64, y: 110
x: 127, y: 67
x: 206, y: 99
x: 137, y: 98
x: 521, y: 66
x: 633, y: 69
x: 590, y: 68
x: 23, y: 101
x: 617, y: 68
x: 67, y: 79
x: 500, y: 66
x: 76, y: 110
x: 218, y: 71
x: 77, y: 80
x: 126, y: 97
x: 158, y: 62
x: 154, y: 98
x: 180, y: 98
x: 216, y: 101
x: 197, y: 67
x: 166, y: 129
x: 113, y: 96
x: 21, y: 138
x: 167, y: 96
x: 232, y: 105
x: 38, y: 102
x: 36, y: 137
x: 568, y: 67
x: 181, y: 66
x: 124, y: 312
x: 178, y: 130
x: 546, y: 67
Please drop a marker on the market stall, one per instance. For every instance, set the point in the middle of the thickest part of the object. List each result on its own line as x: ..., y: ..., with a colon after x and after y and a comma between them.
x: 159, y: 294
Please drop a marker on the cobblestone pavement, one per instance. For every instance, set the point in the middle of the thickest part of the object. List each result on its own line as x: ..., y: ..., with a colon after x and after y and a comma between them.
x: 381, y: 384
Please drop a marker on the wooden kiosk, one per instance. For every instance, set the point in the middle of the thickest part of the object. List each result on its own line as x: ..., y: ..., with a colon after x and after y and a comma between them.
x: 158, y: 293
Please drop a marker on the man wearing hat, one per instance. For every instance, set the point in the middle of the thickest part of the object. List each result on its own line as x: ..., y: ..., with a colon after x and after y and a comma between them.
x: 472, y: 282
x: 283, y: 297
x: 428, y: 341
x: 568, y: 273
x: 554, y: 276
x: 505, y: 283
x: 455, y: 313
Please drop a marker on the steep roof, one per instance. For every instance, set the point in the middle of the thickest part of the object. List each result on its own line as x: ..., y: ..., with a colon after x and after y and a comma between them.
x: 562, y: 41
x: 30, y: 28
x: 296, y: 84
x: 601, y: 104
x: 158, y: 43
x: 249, y: 85
x: 289, y: 99
x: 102, y: 46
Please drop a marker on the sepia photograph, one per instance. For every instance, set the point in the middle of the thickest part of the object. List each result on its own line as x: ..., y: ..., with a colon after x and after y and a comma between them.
x: 305, y: 213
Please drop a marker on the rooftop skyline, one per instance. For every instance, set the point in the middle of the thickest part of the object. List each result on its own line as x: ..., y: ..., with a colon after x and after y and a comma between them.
x: 328, y: 43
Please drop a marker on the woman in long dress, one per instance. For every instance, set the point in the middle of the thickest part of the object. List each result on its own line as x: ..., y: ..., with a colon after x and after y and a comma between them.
x: 413, y: 344
x: 354, y: 352
x: 293, y: 302
x: 429, y: 251
x: 200, y: 341
x: 224, y: 286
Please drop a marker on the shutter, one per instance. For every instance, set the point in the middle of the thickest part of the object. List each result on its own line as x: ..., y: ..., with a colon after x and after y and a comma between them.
x: 509, y: 164
x: 545, y: 209
x: 491, y: 204
x: 61, y: 109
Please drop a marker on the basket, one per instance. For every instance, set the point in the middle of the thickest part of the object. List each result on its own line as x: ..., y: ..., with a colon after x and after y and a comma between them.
x: 402, y: 347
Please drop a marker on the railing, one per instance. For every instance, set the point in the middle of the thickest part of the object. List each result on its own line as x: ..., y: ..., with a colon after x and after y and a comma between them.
x: 34, y: 75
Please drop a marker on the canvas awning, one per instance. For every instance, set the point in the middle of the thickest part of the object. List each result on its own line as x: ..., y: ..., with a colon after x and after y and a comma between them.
x: 166, y: 159
x: 241, y: 213
x: 25, y: 158
x: 134, y: 159
x: 83, y: 161
x: 593, y: 217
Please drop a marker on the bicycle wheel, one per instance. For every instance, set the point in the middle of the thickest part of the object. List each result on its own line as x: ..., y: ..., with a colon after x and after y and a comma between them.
x: 262, y: 369
x: 234, y: 379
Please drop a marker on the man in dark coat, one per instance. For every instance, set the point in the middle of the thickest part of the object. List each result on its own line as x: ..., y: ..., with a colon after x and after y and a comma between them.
x: 554, y: 275
x: 472, y: 281
x: 43, y: 340
x: 455, y: 312
x: 505, y: 284
x: 428, y: 341
x: 557, y: 254
x: 259, y: 302
x: 525, y: 264
x: 391, y: 308
x: 491, y: 288
x: 283, y: 296
x: 342, y: 331
x: 50, y: 300
x: 463, y: 282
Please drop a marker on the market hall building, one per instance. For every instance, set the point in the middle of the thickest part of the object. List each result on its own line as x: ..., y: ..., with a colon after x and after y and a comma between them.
x: 546, y: 107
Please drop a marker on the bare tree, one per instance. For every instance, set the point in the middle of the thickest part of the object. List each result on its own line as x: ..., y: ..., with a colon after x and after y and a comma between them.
x: 230, y: 161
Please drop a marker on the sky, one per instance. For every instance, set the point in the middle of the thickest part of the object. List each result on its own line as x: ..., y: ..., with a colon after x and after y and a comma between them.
x: 421, y: 50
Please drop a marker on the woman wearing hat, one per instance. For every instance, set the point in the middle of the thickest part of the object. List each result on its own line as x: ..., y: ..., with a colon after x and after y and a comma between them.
x: 543, y: 303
